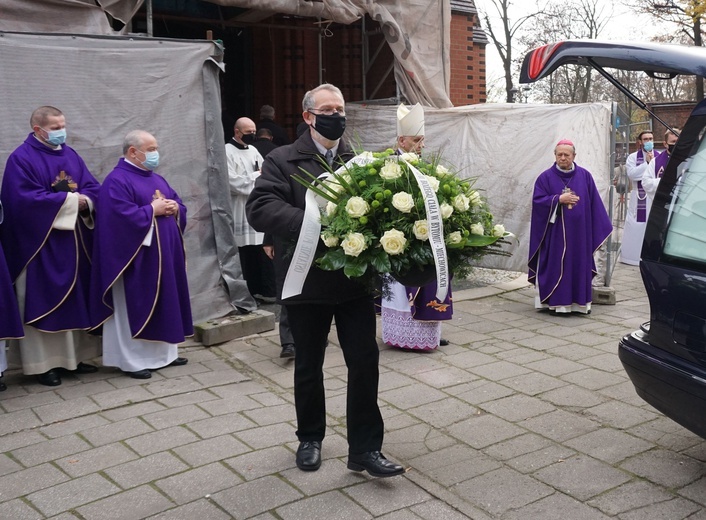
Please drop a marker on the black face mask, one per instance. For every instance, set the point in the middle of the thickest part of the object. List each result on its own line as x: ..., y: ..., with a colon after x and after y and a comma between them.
x: 331, y: 127
x: 248, y: 138
x: 670, y: 148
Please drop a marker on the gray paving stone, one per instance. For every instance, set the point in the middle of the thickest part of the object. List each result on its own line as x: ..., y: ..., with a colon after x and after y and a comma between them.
x: 13, y: 422
x: 582, y: 477
x: 333, y: 474
x: 593, y: 379
x: 7, y: 465
x: 666, y: 468
x: 437, y: 510
x: 256, y: 464
x: 555, y: 366
x: 391, y: 379
x: 97, y: 459
x: 667, y: 434
x: 609, y: 445
x: 445, y: 377
x: 134, y: 504
x: 534, y: 383
x: 271, y: 414
x: 517, y: 446
x: 184, y: 398
x: 87, y: 389
x: 620, y: 415
x: 332, y: 505
x: 517, y: 407
x: 258, y: 496
x: 381, y: 496
x: 695, y: 491
x: 412, y: 363
x: 198, y: 483
x: 499, y: 370
x: 13, y: 441
x: 445, y: 412
x: 211, y: 450
x: 266, y: 436
x: 18, y: 510
x: 27, y: 481
x: 121, y: 430
x: 533, y: 461
x: 484, y: 430
x: 30, y: 401
x: 73, y: 426
x: 132, y: 410
x: 216, y: 426
x: 482, y: 391
x: 673, y: 509
x: 161, y: 440
x: 502, y: 490
x: 469, y: 358
x: 556, y: 507
x: 633, y: 495
x: 229, y: 405
x: 572, y: 396
x: 542, y: 343
x: 403, y: 399
x: 560, y: 425
x: 172, y: 386
x: 62, y: 411
x: 50, y: 450
x: 623, y: 392
x: 522, y: 356
x: 203, y: 509
x: 146, y: 469
x: 72, y: 494
x: 175, y: 416
x: 573, y: 352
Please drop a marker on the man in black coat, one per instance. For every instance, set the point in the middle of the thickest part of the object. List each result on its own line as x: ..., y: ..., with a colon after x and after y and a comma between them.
x: 267, y: 120
x: 277, y: 206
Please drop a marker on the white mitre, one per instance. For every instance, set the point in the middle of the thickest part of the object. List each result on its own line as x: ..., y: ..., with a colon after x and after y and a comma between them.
x: 410, y: 120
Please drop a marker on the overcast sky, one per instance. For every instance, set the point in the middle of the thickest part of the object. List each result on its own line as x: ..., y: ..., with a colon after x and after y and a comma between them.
x: 623, y: 25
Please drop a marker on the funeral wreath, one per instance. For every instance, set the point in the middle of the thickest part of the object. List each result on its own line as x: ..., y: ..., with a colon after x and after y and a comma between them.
x: 375, y: 219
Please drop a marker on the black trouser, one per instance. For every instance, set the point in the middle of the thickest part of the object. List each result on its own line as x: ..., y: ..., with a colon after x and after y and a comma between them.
x: 355, y: 324
x: 285, y: 331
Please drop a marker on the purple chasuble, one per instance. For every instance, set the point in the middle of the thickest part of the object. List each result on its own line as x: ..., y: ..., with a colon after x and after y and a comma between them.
x: 425, y: 306
x: 661, y: 164
x: 57, y: 262
x: 641, y: 195
x: 10, y: 323
x: 563, y: 240
x: 156, y: 288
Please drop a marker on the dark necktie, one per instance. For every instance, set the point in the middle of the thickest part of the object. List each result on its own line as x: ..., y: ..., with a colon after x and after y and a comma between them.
x: 329, y: 157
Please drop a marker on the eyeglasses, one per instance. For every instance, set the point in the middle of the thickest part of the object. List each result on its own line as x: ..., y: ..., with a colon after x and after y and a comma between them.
x: 327, y: 111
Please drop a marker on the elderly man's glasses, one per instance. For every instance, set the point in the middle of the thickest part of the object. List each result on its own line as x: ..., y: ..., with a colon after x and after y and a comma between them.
x: 327, y: 111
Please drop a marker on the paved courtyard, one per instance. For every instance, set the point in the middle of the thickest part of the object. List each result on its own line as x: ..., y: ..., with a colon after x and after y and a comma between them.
x: 525, y: 415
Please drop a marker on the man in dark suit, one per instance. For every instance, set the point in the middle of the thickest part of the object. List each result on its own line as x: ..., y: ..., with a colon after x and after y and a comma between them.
x: 267, y: 120
x: 277, y: 206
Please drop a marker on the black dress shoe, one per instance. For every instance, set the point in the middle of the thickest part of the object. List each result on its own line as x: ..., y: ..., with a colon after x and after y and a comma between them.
x: 287, y: 351
x: 3, y: 386
x: 443, y: 342
x: 375, y: 464
x: 178, y: 362
x: 82, y: 368
x: 140, y: 374
x: 50, y: 378
x: 309, y: 455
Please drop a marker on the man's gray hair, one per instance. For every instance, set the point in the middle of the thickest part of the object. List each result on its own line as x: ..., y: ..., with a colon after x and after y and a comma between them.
x: 134, y: 138
x: 40, y: 115
x: 308, y: 102
x: 267, y: 112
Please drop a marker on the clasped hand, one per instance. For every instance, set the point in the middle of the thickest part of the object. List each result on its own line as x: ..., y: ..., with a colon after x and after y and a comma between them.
x: 166, y: 207
x: 569, y: 198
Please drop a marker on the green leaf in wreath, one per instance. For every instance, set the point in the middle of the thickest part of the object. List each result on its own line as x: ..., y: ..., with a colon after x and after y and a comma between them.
x: 355, y: 267
x: 480, y: 240
x: 381, y: 261
x: 333, y: 260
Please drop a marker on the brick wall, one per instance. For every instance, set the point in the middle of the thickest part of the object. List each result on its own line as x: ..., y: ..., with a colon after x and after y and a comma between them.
x: 467, y: 62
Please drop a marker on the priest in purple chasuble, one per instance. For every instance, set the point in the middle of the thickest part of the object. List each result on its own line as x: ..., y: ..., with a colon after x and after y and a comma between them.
x: 49, y: 197
x: 411, y: 316
x: 654, y: 171
x: 139, y: 287
x: 10, y: 322
x: 569, y: 223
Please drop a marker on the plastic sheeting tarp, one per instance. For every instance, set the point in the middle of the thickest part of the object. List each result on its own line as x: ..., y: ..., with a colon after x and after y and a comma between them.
x: 65, y: 16
x: 505, y: 147
x: 108, y: 86
x: 417, y: 31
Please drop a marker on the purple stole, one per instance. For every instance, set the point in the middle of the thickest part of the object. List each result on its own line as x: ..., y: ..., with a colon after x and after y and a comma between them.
x: 641, y: 195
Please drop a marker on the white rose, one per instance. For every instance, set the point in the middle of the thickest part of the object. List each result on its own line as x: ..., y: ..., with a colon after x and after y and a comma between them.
x: 475, y: 198
x: 329, y: 240
x: 446, y: 210
x: 454, y: 238
x: 403, y: 201
x: 354, y: 244
x: 433, y: 182
x: 477, y: 229
x: 330, y: 208
x: 498, y: 230
x: 357, y: 207
x: 410, y: 157
x: 461, y: 202
x: 421, y: 229
x: 393, y: 242
x: 441, y: 170
x: 334, y: 185
x: 391, y: 170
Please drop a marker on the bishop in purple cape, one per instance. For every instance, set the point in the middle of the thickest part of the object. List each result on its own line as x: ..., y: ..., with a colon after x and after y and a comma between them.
x: 48, y: 196
x: 569, y: 223
x: 139, y: 287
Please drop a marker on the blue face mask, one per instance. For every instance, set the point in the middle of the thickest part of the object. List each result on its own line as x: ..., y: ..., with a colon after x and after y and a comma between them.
x: 56, y: 137
x: 648, y: 146
x: 151, y: 160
